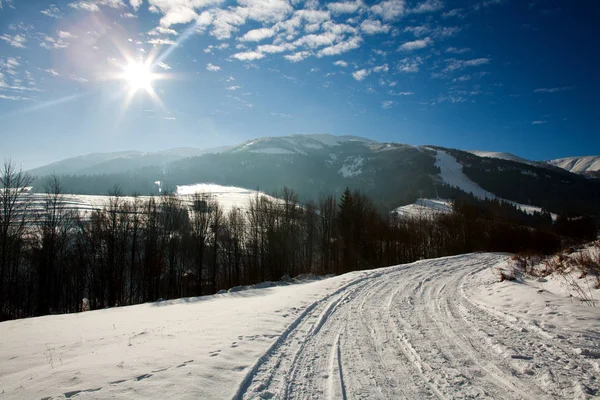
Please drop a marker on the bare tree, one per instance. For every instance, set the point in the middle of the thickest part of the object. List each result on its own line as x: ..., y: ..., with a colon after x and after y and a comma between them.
x: 15, y: 203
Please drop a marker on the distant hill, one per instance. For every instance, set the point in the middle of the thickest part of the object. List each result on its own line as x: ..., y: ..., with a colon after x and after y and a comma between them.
x: 392, y: 174
x: 102, y: 163
x: 578, y: 165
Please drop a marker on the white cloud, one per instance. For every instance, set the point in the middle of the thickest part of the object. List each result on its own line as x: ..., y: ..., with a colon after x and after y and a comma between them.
x: 352, y: 43
x: 212, y: 68
x: 381, y: 68
x: 313, y: 41
x: 94, y: 5
x: 345, y: 7
x: 275, y: 48
x: 65, y: 35
x: 553, y: 90
x: 538, y: 122
x: 428, y: 6
x: 341, y: 63
x: 52, y: 11
x: 248, y: 56
x: 221, y: 46
x: 389, y: 9
x: 160, y: 42
x: 264, y: 10
x: 256, y: 35
x: 17, y: 40
x: 164, y: 66
x: 128, y: 15
x: 373, y: 26
x: 361, y: 74
x: 416, y: 44
x: 230, y: 79
x: 15, y: 98
x: 387, y: 104
x: 135, y: 4
x: 297, y: 57
x: 225, y: 22
x: 159, y: 30
x: 233, y: 87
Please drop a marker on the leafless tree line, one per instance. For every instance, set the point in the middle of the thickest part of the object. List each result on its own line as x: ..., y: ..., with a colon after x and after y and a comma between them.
x: 166, y: 247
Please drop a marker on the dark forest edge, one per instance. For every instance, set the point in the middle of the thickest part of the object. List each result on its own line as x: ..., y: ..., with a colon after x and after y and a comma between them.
x: 132, y: 252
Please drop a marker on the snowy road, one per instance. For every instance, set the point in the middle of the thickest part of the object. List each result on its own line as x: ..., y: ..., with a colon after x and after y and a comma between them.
x: 415, y: 332
x: 443, y: 328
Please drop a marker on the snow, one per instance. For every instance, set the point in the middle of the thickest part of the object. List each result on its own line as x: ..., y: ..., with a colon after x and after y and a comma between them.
x: 444, y: 328
x: 503, y: 156
x: 451, y: 174
x: 272, y: 150
x: 425, y: 207
x: 577, y: 164
x: 228, y: 197
x: 352, y: 167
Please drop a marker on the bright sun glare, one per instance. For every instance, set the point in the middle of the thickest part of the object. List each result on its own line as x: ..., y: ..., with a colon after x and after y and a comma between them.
x: 138, y: 76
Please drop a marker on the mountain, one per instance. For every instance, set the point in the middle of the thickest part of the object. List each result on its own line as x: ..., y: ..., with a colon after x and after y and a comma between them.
x: 586, y: 165
x: 391, y: 174
x: 102, y: 163
x: 503, y: 156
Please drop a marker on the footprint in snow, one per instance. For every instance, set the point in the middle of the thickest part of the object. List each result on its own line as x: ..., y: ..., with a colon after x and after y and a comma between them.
x: 214, y: 353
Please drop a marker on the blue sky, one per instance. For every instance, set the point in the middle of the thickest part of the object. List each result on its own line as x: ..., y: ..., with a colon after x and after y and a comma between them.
x: 503, y: 75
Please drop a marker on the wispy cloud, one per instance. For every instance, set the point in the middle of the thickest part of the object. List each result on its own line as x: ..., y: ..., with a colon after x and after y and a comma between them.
x: 428, y: 6
x: 281, y: 115
x: 456, y: 50
x: 166, y: 66
x: 233, y: 87
x: 539, y: 122
x: 52, y: 72
x: 387, y: 104
x: 454, y: 64
x: 410, y: 64
x: 341, y: 63
x: 52, y: 11
x: 553, y: 89
x: 17, y: 40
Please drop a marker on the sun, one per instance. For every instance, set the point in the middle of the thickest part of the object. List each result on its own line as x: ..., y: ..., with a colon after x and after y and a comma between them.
x: 138, y: 76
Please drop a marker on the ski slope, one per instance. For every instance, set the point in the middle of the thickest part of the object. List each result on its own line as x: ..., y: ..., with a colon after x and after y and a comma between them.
x: 443, y: 328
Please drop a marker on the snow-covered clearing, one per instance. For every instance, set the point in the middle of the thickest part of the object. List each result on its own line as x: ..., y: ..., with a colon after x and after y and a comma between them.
x: 425, y: 207
x: 451, y: 173
x: 443, y: 328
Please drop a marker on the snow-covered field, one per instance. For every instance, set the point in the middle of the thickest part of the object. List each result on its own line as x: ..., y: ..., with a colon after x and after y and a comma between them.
x: 443, y: 328
x: 228, y: 197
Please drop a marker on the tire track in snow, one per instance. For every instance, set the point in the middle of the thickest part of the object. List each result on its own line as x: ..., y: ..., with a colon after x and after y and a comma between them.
x: 405, y: 332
